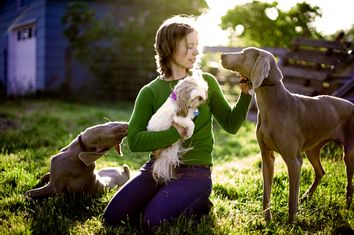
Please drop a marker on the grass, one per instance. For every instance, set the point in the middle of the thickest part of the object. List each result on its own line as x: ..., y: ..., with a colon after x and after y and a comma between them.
x: 32, y: 130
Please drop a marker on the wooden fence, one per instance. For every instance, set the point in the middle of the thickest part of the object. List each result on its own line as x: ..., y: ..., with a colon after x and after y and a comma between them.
x: 311, y: 67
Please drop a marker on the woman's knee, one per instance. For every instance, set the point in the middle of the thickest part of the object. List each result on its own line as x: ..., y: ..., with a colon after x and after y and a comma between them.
x: 110, y: 218
x: 116, y: 211
x: 152, y: 220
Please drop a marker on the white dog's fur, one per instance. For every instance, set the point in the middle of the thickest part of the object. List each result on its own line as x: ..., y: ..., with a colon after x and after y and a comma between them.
x: 179, y: 108
x: 290, y: 124
x: 73, y: 169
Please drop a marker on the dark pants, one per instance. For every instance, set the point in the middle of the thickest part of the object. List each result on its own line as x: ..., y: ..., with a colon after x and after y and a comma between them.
x: 188, y: 194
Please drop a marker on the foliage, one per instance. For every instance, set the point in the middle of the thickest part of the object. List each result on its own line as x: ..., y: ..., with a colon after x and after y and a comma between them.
x: 348, y: 35
x: 265, y: 25
x: 118, y: 45
x: 138, y: 31
x: 33, y: 130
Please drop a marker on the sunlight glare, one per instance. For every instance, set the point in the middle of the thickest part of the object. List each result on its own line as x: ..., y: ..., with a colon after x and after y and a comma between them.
x: 335, y: 16
x: 239, y: 29
x: 271, y: 13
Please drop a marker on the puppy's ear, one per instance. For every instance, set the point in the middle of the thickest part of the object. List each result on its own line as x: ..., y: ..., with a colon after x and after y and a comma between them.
x: 89, y: 157
x: 182, y: 102
x: 260, y: 70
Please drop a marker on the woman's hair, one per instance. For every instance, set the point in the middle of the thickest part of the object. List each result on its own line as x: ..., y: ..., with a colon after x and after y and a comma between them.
x: 170, y: 33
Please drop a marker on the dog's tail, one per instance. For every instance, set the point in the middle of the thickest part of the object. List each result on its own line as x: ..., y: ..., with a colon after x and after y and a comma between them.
x: 45, y: 191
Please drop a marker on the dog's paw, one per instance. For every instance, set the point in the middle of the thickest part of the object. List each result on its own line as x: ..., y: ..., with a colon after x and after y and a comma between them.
x: 189, y: 132
x: 185, y: 123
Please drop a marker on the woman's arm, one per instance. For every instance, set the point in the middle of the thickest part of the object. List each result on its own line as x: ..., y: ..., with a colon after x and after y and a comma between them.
x: 141, y: 140
x: 229, y: 118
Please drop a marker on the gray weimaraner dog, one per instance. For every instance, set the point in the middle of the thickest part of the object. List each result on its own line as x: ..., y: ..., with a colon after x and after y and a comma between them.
x: 73, y: 168
x: 291, y: 124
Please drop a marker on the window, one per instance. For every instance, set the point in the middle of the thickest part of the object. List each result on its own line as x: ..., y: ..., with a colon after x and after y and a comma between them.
x: 26, y: 32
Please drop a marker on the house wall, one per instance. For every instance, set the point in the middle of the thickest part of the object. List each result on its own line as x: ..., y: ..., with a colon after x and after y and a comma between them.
x: 8, y: 13
x: 59, y: 68
x: 55, y: 44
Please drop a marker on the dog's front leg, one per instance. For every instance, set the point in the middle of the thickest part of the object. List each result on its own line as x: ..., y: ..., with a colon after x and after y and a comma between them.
x: 268, y: 174
x: 294, y: 170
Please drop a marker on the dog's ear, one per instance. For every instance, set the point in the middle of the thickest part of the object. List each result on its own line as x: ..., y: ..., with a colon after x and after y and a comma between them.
x: 118, y: 149
x: 260, y: 70
x: 182, y: 102
x: 89, y: 157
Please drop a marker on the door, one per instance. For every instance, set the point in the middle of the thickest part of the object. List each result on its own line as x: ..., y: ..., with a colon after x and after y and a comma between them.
x: 22, y: 61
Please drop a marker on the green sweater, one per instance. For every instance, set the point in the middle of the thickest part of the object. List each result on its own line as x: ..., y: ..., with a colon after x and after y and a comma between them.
x: 154, y: 94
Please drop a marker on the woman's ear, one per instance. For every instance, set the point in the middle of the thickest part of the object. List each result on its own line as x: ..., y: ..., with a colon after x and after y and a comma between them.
x: 260, y: 70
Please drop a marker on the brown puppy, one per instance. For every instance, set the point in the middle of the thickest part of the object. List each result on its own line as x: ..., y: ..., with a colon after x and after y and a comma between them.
x: 73, y: 168
x: 291, y: 124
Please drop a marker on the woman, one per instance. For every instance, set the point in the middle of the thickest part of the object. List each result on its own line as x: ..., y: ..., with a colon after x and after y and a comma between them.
x: 176, y: 46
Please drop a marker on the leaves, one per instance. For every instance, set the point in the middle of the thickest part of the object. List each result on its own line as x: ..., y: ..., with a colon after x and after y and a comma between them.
x: 117, y: 46
x: 263, y: 30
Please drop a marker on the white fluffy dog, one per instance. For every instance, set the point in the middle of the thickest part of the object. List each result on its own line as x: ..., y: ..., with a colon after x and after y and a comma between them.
x: 180, y: 108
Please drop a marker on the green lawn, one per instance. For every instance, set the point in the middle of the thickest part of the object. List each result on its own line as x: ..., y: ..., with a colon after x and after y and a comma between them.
x: 33, y: 130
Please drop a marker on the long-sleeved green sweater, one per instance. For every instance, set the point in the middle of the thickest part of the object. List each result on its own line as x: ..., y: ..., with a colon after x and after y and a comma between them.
x: 154, y: 94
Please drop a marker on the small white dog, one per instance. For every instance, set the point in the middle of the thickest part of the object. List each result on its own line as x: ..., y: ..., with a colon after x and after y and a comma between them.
x: 180, y: 108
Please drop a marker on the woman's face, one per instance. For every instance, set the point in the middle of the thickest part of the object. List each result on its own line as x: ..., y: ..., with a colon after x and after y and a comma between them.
x: 186, y: 52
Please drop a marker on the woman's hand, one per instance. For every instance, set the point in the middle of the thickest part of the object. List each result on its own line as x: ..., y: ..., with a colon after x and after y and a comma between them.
x: 245, y: 87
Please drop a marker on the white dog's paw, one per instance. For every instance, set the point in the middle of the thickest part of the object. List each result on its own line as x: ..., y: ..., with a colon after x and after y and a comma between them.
x: 189, y: 131
x: 186, y: 123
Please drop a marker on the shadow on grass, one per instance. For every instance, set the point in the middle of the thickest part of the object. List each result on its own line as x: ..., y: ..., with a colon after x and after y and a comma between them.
x: 58, y: 215
x: 65, y: 214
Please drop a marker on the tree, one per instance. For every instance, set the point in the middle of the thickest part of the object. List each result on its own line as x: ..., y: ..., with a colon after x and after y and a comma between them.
x: 348, y: 34
x: 264, y: 24
x: 144, y: 19
x: 118, y: 47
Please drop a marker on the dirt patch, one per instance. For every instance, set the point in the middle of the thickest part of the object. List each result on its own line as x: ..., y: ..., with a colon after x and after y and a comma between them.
x: 7, y: 124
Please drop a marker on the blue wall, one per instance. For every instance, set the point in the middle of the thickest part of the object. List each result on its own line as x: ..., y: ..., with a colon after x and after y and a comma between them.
x: 55, y: 44
x: 8, y: 13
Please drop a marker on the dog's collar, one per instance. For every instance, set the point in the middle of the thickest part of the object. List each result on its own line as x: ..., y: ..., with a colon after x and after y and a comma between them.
x: 250, y: 83
x: 82, y: 145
